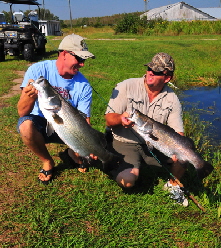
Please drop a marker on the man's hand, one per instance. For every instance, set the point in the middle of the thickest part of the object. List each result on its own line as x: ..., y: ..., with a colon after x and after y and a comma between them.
x: 93, y: 156
x: 174, y: 158
x: 27, y: 99
x: 125, y: 121
x: 30, y: 90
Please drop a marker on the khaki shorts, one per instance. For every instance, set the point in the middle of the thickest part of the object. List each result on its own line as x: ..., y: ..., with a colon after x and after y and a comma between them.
x: 133, y: 155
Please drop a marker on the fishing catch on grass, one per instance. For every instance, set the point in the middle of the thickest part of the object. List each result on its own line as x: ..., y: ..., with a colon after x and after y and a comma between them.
x: 169, y: 142
x: 70, y: 124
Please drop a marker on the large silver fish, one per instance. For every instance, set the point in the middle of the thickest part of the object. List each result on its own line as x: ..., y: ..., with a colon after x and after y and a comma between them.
x: 169, y: 142
x: 70, y: 124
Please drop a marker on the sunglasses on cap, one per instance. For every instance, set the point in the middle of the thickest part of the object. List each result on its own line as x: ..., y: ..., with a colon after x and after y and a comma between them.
x: 79, y: 59
x: 156, y: 73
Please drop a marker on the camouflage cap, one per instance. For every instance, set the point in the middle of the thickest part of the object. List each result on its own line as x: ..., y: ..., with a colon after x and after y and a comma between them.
x: 162, y: 61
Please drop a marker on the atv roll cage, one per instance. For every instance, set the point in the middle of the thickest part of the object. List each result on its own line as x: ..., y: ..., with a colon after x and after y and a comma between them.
x: 28, y: 2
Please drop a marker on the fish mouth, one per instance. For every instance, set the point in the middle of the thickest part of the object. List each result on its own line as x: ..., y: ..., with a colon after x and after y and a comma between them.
x: 132, y: 113
x: 53, y: 108
x: 205, y: 170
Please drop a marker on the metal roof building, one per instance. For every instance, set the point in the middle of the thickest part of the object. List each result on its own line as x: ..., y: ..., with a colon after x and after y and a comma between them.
x: 177, y: 12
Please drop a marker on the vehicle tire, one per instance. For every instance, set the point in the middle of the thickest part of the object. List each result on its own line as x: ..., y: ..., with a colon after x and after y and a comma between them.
x: 41, y: 51
x: 28, y: 52
x: 16, y: 52
x: 2, y: 54
x: 41, y: 45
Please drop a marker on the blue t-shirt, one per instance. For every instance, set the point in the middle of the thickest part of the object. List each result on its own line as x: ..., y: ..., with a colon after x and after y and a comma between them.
x: 76, y: 90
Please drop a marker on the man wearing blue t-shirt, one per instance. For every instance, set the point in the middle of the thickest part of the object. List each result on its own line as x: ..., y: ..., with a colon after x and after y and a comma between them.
x: 63, y: 74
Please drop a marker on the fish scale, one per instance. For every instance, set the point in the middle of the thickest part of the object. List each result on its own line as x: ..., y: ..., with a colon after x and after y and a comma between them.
x: 70, y: 124
x: 169, y: 142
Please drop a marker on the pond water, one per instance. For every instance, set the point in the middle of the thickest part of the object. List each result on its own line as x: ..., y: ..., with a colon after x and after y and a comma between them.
x: 206, y: 102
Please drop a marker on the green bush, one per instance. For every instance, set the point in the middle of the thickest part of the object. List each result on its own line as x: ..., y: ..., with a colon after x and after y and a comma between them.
x: 175, y: 27
x: 129, y: 24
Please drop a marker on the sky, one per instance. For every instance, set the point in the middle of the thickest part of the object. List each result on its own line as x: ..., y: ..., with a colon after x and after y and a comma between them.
x: 99, y: 8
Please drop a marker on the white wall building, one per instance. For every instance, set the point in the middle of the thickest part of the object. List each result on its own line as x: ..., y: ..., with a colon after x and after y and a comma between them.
x: 177, y: 12
x: 51, y: 27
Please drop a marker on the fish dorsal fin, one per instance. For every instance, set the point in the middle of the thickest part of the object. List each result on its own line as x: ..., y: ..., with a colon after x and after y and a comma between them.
x: 49, y: 129
x: 82, y: 114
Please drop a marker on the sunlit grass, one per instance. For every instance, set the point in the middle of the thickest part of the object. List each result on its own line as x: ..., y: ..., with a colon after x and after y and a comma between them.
x: 90, y: 210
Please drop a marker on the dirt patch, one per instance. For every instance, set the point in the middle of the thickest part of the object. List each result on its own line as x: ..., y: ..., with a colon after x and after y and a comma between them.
x: 114, y: 39
x: 16, y: 88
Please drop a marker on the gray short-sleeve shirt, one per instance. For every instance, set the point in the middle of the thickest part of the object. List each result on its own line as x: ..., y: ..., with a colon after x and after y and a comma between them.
x: 131, y: 94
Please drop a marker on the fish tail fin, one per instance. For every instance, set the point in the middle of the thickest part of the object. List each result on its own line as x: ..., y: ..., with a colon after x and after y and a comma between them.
x: 205, y: 170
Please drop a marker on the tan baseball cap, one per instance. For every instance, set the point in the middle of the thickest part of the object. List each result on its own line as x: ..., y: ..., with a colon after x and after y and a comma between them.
x: 162, y: 61
x: 76, y: 44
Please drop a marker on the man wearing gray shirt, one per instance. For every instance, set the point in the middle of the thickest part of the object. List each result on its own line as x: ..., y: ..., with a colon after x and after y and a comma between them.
x: 151, y: 96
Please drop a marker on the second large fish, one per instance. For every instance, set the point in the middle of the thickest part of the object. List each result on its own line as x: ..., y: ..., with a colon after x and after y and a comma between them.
x: 70, y: 125
x: 169, y: 142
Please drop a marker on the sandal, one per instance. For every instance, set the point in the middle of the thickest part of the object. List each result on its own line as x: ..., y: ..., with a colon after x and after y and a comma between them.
x: 64, y: 156
x: 46, y: 173
x: 83, y: 167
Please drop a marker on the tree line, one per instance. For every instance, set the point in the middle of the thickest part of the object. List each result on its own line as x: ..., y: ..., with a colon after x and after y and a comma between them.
x: 45, y: 14
x: 99, y: 21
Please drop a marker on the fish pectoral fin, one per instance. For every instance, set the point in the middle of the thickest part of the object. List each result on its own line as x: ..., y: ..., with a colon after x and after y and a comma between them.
x: 150, y: 147
x: 57, y: 119
x: 153, y: 137
x: 49, y: 129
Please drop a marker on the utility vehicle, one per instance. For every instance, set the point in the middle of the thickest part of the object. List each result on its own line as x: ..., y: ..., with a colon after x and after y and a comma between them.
x: 22, y: 36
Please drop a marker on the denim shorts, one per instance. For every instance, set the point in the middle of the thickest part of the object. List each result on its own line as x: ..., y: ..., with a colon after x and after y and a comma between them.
x: 41, y: 124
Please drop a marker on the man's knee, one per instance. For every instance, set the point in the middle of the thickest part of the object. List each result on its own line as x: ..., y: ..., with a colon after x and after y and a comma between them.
x: 26, y: 126
x: 127, y: 178
x: 29, y: 132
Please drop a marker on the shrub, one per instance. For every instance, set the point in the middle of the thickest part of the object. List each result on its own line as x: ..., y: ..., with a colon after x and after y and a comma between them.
x: 131, y: 23
x: 128, y: 24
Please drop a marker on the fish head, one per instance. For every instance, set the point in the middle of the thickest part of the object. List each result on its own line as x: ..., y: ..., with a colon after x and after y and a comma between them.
x: 40, y: 84
x: 48, y: 97
x: 136, y: 117
x: 143, y: 122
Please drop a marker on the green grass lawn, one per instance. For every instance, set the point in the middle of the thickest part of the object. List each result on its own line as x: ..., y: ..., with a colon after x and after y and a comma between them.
x: 90, y: 210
